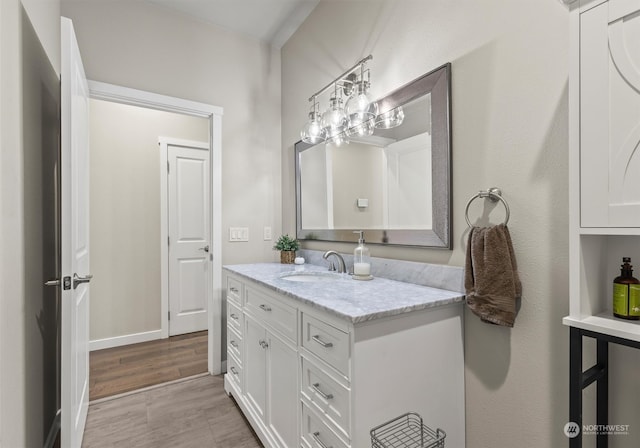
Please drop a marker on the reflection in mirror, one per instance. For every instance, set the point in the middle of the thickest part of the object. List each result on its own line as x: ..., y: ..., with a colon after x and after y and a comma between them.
x: 393, y: 184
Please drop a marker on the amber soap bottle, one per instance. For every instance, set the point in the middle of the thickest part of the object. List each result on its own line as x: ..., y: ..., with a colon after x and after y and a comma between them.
x: 626, y: 293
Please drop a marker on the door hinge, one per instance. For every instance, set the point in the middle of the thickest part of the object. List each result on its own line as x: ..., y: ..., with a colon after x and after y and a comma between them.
x: 168, y: 240
x: 167, y: 167
x: 169, y: 315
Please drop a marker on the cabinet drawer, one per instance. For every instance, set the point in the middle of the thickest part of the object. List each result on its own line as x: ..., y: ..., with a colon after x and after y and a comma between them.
x: 272, y: 312
x: 234, y: 317
x: 316, y: 433
x: 327, y: 342
x: 234, y: 290
x: 326, y: 396
x: 234, y: 344
x: 234, y: 371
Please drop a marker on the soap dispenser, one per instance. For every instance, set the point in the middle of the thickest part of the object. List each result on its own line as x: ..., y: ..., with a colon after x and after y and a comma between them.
x: 361, y: 260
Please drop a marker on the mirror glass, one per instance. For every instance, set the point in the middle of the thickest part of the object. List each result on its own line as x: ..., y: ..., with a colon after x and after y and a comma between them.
x: 394, y: 184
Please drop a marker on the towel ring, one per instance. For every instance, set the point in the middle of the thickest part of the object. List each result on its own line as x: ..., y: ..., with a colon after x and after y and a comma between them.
x: 494, y: 194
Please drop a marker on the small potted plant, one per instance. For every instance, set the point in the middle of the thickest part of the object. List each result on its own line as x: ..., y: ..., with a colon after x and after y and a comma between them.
x: 287, y: 247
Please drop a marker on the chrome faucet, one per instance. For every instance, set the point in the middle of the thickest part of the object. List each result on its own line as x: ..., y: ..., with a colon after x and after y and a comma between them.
x: 341, y: 266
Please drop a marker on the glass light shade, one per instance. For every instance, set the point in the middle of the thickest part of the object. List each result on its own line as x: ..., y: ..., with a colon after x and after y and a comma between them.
x: 338, y: 139
x: 390, y: 119
x: 359, y: 107
x: 313, y: 132
x: 334, y: 120
x: 363, y: 129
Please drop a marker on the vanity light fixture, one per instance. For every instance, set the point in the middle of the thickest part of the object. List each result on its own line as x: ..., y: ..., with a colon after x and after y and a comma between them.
x: 364, y: 129
x: 334, y: 120
x: 360, y: 108
x: 313, y: 132
x: 339, y: 139
x: 358, y: 117
x: 390, y: 119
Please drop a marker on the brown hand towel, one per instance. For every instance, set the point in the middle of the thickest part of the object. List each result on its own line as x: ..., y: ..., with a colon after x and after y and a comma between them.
x: 491, y: 275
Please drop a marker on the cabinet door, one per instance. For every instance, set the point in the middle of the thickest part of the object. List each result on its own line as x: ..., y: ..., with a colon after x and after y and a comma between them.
x: 254, y: 366
x: 610, y: 115
x: 282, y: 377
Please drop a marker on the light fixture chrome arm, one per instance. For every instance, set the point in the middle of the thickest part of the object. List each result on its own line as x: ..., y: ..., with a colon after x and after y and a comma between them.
x: 343, y: 75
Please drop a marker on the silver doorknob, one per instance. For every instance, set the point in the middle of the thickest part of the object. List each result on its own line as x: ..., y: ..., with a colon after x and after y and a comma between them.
x: 205, y: 248
x: 77, y: 279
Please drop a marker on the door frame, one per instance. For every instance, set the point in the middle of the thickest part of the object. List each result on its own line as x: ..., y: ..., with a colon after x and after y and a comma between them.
x: 164, y: 143
x: 134, y: 97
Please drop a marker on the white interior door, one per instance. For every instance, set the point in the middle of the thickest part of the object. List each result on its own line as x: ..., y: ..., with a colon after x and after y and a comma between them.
x: 74, y: 240
x: 189, y: 239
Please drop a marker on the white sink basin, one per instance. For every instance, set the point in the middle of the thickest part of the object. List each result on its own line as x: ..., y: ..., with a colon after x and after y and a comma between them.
x: 310, y: 276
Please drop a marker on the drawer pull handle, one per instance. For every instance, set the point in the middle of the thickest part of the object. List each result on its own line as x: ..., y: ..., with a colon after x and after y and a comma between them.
x: 263, y: 343
x: 234, y: 344
x: 234, y: 371
x: 321, y: 342
x: 316, y: 437
x: 233, y: 289
x: 234, y: 316
x: 264, y: 307
x: 316, y: 387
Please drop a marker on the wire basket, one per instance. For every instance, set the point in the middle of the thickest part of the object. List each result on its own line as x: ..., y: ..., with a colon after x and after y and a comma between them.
x: 406, y: 431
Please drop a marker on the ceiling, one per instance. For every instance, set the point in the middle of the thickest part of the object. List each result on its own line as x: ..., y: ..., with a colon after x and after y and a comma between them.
x: 272, y: 21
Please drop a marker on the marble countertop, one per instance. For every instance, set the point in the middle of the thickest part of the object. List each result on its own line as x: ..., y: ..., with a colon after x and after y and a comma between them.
x: 354, y: 300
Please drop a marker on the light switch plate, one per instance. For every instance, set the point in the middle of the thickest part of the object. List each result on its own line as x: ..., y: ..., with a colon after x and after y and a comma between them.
x: 267, y: 233
x: 238, y: 234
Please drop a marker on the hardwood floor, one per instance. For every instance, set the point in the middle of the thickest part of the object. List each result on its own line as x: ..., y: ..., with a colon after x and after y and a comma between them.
x: 192, y: 413
x: 117, y: 370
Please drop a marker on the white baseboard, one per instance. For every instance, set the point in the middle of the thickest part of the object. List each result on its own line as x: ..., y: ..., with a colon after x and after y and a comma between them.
x: 126, y: 339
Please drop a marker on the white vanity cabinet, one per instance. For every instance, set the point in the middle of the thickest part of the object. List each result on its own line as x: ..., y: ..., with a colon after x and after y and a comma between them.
x: 270, y: 365
x: 316, y: 379
x: 256, y: 366
x: 355, y: 377
x: 271, y: 381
